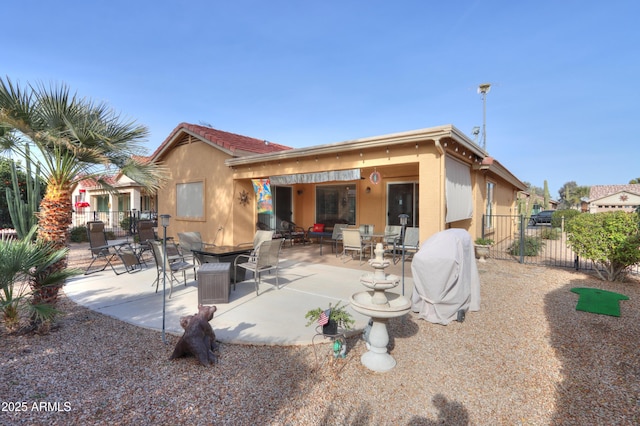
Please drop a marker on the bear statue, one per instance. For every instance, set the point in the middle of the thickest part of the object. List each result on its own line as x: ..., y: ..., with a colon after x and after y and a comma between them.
x: 198, y: 338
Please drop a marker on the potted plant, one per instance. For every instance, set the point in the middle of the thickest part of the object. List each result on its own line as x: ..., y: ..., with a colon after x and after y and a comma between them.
x: 331, y: 319
x: 482, y: 246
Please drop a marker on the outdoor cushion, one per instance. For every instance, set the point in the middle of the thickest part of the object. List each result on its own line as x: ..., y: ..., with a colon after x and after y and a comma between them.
x: 318, y: 227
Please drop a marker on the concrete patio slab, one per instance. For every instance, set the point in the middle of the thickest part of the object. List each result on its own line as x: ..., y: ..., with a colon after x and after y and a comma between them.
x: 275, y: 317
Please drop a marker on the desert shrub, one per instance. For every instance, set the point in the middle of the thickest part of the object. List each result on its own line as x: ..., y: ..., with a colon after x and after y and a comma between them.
x: 568, y: 214
x: 610, y: 239
x: 550, y: 233
x: 20, y: 261
x: 79, y: 234
x: 532, y: 246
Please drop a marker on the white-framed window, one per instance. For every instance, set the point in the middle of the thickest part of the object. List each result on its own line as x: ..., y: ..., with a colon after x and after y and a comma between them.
x: 489, y: 211
x: 190, y: 200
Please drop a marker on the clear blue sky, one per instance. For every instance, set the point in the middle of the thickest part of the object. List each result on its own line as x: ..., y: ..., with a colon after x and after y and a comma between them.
x: 564, y: 103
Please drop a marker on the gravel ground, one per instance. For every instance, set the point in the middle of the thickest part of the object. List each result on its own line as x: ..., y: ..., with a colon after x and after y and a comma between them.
x: 527, y: 357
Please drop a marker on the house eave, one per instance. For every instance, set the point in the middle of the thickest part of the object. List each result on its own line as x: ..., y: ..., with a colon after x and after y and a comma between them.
x: 433, y: 133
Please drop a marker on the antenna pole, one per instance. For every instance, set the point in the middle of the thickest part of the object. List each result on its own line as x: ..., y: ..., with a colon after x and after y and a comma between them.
x: 484, y: 89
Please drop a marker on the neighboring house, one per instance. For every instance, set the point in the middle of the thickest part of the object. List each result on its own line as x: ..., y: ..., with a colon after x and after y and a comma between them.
x: 536, y: 201
x: 604, y: 198
x: 438, y: 176
x: 92, y: 202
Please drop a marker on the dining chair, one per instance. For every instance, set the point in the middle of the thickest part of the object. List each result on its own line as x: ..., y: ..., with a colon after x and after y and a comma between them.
x: 336, y: 236
x: 266, y: 259
x: 170, y: 267
x: 391, y: 234
x: 259, y: 237
x: 411, y: 243
x: 366, y: 232
x: 145, y: 234
x: 352, y: 241
x: 189, y: 241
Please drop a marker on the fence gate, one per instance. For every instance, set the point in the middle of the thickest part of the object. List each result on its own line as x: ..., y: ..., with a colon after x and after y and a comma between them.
x: 515, y: 239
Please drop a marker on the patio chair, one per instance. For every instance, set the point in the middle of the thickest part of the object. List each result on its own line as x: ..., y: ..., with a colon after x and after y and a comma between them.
x: 175, y: 254
x: 145, y: 234
x: 411, y: 243
x: 336, y: 236
x: 102, y: 249
x: 259, y: 238
x: 261, y: 226
x: 352, y: 241
x: 267, y: 259
x: 190, y: 241
x: 366, y: 231
x: 391, y: 235
x: 292, y: 232
x: 169, y: 267
x: 99, y: 246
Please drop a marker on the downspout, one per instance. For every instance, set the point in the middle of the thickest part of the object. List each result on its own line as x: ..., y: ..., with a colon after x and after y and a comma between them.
x: 439, y: 146
x: 440, y: 149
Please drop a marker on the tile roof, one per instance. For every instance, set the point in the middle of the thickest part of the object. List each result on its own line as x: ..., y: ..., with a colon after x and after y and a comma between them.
x: 238, y: 144
x: 600, y: 191
x: 92, y: 183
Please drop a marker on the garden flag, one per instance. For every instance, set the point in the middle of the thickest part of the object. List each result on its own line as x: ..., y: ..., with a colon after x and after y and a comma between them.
x: 324, y: 317
x: 263, y: 195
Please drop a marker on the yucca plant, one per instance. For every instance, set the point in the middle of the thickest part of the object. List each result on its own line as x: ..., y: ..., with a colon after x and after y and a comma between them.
x: 23, y: 212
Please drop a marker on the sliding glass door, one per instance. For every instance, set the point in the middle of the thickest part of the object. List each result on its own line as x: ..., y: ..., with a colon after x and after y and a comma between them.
x: 402, y: 198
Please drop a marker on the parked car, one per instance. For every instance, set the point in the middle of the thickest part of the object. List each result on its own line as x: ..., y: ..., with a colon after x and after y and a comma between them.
x: 541, y: 217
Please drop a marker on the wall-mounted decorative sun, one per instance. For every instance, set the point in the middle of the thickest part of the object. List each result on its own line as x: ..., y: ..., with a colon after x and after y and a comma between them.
x: 243, y: 197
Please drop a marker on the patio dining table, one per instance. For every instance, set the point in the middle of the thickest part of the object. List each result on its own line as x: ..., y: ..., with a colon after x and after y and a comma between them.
x: 219, y: 254
x: 379, y: 237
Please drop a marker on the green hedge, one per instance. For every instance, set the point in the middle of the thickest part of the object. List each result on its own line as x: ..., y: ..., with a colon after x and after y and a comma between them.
x: 79, y: 234
x: 568, y: 214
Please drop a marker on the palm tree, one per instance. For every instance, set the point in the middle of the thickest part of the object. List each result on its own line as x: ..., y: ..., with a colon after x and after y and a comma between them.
x: 75, y: 139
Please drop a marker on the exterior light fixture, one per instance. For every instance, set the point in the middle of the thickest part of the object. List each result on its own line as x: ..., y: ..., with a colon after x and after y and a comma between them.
x: 403, y: 222
x: 164, y: 221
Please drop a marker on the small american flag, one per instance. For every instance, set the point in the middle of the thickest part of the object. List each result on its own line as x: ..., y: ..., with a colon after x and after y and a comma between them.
x: 324, y: 317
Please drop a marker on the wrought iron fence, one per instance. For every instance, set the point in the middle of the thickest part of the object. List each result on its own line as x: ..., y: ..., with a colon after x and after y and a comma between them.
x: 515, y: 239
x: 119, y: 224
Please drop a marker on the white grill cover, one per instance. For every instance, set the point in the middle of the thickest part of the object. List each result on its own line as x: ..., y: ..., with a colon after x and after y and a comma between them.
x: 445, y: 277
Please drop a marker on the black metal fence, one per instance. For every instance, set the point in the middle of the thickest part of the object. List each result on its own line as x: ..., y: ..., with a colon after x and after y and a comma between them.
x: 515, y: 239
x: 118, y: 224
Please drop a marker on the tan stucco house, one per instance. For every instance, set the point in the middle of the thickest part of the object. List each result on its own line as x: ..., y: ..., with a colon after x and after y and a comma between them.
x: 603, y: 198
x: 438, y: 176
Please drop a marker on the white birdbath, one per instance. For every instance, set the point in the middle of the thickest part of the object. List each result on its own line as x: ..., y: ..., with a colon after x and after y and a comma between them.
x: 380, y: 306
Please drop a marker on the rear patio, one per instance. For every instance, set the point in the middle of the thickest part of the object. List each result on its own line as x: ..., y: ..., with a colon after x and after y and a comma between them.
x: 275, y: 317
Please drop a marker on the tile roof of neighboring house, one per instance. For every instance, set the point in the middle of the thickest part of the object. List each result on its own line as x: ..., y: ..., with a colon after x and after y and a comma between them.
x: 91, y: 183
x: 237, y: 144
x: 600, y: 191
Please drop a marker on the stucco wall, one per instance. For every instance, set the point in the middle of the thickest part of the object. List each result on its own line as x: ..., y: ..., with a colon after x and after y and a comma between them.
x: 403, y: 164
x: 197, y: 161
x: 422, y: 162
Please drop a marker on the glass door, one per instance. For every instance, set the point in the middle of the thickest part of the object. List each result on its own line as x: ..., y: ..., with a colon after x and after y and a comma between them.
x: 402, y: 198
x: 281, y: 197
